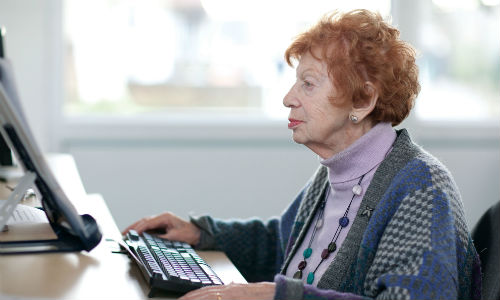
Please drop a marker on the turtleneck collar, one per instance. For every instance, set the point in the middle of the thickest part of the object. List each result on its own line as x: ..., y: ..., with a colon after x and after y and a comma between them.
x: 363, y: 155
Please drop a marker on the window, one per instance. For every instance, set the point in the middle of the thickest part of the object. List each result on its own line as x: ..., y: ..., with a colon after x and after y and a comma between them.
x: 459, y: 43
x: 184, y: 57
x: 225, y: 57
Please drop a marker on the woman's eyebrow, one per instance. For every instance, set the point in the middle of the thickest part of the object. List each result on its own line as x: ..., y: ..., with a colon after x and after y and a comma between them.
x: 311, y: 70
x: 315, y: 73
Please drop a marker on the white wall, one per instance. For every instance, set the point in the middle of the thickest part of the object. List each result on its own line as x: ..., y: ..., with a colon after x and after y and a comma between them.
x: 231, y: 171
x: 227, y: 181
x: 254, y: 177
x: 31, y: 43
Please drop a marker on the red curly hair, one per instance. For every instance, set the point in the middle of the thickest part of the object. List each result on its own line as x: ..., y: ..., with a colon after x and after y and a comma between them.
x: 359, y: 46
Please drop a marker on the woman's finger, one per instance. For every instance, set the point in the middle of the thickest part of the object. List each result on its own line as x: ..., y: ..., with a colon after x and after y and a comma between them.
x: 133, y: 226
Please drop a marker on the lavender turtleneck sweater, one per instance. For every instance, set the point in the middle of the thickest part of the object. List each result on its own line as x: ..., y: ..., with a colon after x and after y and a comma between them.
x: 344, y: 171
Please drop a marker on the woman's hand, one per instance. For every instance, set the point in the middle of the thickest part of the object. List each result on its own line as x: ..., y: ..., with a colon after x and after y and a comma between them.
x: 261, y: 290
x: 175, y: 228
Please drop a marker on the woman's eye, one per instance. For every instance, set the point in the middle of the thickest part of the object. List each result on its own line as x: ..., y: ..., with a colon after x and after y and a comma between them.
x: 307, y: 84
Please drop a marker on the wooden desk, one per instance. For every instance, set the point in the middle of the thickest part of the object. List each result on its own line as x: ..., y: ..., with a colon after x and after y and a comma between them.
x: 98, y: 274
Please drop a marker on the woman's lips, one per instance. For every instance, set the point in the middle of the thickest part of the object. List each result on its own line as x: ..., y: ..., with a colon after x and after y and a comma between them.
x: 293, y: 123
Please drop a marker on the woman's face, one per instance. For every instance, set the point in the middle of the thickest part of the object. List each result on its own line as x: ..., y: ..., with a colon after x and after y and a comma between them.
x: 315, y: 121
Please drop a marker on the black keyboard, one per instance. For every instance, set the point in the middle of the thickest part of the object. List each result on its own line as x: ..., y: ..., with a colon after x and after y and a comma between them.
x: 169, y: 265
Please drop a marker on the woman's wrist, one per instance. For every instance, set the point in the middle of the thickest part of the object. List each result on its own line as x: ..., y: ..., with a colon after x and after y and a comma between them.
x: 194, y: 234
x: 206, y: 238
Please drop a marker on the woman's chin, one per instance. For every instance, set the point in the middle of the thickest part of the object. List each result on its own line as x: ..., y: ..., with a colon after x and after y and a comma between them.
x: 298, y: 138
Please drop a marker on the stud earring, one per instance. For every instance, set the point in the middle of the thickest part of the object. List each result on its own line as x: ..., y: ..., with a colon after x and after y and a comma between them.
x: 353, y: 118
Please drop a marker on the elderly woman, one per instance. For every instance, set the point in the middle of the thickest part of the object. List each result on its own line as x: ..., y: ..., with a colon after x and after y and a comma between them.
x: 381, y: 218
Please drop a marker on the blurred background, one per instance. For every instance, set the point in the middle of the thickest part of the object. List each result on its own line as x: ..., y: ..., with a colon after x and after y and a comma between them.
x: 177, y: 104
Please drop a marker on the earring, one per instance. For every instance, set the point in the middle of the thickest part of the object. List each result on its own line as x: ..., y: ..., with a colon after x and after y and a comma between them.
x: 353, y: 118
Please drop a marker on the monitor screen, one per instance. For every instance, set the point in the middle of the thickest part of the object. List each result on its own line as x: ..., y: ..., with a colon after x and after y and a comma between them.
x: 75, y: 232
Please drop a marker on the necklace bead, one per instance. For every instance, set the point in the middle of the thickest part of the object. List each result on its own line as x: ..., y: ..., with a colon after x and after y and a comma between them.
x: 319, y: 223
x: 298, y: 275
x: 302, y: 265
x: 332, y: 247
x: 310, y: 277
x: 344, y: 221
x: 357, y: 190
x: 325, y: 253
x: 308, y: 252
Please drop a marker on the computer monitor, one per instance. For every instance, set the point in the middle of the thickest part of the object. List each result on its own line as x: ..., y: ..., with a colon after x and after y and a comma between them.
x: 5, y: 154
x: 75, y: 232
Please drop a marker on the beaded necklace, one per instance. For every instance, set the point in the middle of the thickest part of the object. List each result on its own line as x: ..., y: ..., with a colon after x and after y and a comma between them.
x: 332, y: 246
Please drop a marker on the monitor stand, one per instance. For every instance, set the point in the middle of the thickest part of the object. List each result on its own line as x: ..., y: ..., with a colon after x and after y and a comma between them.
x: 26, y: 182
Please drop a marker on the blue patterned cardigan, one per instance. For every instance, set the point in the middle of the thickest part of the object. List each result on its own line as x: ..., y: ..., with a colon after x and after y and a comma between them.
x: 409, y: 239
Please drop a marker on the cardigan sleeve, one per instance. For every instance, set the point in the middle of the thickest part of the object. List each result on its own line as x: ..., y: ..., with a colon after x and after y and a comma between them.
x: 252, y: 245
x: 255, y: 247
x: 294, y: 289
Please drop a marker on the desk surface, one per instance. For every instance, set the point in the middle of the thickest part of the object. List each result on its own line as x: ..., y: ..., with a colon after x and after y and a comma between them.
x: 87, y: 275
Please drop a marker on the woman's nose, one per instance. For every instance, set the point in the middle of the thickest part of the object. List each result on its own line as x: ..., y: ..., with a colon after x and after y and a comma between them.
x: 290, y: 99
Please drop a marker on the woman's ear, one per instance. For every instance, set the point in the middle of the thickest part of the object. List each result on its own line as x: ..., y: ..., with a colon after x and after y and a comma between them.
x: 363, y: 107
